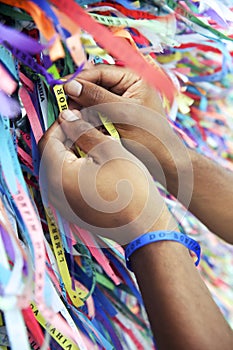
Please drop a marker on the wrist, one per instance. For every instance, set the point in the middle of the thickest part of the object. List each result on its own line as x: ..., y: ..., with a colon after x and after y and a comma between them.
x: 160, y: 255
x: 150, y: 238
x: 177, y: 169
x: 162, y: 221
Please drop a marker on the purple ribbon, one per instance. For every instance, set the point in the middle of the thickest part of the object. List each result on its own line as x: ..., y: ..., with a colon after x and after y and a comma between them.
x: 29, y: 61
x: 21, y: 41
x: 7, y: 243
x: 9, y: 107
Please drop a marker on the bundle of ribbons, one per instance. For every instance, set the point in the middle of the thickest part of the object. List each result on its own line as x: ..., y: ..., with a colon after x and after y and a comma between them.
x: 58, y: 288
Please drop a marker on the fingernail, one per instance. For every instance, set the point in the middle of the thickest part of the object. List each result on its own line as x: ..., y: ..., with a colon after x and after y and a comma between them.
x: 73, y: 88
x: 69, y: 116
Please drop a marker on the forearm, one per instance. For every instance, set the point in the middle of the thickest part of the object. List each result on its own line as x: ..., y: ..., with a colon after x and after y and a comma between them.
x: 181, y: 311
x: 212, y: 193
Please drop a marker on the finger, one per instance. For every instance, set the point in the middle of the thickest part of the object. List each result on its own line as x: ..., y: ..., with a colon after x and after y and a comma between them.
x: 56, y: 160
x: 116, y: 79
x: 88, y: 94
x: 124, y: 114
x: 53, y: 149
x: 55, y: 132
x: 83, y: 134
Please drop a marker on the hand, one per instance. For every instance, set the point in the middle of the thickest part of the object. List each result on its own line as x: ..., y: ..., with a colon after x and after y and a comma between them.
x: 109, y: 83
x: 108, y: 192
x: 137, y: 113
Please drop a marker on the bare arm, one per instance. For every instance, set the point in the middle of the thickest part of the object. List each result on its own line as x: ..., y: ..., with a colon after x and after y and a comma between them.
x: 181, y: 311
x: 212, y: 197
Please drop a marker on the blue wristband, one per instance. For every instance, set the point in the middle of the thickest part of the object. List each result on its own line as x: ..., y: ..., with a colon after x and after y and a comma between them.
x: 157, y: 236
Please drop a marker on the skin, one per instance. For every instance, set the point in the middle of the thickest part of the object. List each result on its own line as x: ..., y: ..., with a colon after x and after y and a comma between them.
x: 110, y: 191
x: 181, y: 311
x: 180, y: 308
x: 119, y: 86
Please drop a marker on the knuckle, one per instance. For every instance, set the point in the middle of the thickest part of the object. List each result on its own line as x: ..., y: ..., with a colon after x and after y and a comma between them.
x: 82, y: 128
x: 98, y: 94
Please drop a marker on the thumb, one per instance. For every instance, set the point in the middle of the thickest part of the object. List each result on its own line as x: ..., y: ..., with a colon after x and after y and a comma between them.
x: 83, y: 134
x: 88, y: 94
x: 51, y: 146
